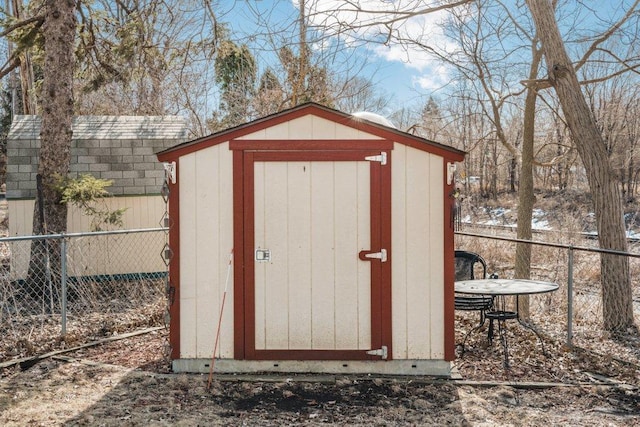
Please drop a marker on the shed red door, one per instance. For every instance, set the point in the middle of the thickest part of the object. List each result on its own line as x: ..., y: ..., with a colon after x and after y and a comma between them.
x: 317, y: 261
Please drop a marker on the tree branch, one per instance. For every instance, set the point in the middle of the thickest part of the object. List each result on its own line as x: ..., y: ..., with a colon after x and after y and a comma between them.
x: 605, y: 36
x: 39, y: 20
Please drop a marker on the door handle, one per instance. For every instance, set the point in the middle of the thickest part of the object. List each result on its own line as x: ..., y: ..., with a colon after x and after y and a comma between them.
x: 371, y: 255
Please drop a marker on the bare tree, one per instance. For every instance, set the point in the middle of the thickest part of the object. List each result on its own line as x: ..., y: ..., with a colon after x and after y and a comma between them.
x: 148, y: 57
x: 50, y: 214
x: 615, y: 278
x: 614, y: 104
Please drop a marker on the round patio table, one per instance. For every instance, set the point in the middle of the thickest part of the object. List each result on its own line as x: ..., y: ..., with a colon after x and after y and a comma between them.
x: 501, y: 288
x: 504, y: 287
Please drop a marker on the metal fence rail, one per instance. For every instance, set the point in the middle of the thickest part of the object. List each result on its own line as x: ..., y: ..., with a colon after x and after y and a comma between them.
x: 71, y: 287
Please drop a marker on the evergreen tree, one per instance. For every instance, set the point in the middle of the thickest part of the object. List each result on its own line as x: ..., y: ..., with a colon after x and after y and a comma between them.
x: 236, y: 72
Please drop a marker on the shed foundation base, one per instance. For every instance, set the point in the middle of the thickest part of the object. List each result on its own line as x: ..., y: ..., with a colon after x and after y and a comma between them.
x: 436, y: 368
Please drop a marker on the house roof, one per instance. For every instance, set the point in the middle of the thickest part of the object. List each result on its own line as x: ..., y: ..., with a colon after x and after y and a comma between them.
x: 108, y: 127
x: 342, y: 118
x: 119, y: 149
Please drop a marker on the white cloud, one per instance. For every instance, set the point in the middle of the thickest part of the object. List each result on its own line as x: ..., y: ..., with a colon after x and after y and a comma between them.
x: 380, y: 26
x: 433, y: 78
x: 383, y: 24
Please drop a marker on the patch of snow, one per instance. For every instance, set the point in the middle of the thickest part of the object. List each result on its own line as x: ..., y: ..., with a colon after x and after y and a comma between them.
x: 542, y: 224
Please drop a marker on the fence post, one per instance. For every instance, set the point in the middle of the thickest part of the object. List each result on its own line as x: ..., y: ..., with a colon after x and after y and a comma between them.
x: 570, y: 299
x: 63, y: 280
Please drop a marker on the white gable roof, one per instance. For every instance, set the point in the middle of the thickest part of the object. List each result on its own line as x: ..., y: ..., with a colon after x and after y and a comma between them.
x: 373, y: 117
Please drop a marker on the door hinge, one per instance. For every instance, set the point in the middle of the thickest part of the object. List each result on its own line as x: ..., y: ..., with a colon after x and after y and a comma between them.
x: 170, y: 171
x: 382, y: 158
x: 382, y: 352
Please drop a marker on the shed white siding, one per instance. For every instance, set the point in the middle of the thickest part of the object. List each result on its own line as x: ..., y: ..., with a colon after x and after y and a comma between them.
x: 206, y: 239
x: 309, y: 127
x: 418, y: 254
x: 141, y: 212
x: 315, y: 293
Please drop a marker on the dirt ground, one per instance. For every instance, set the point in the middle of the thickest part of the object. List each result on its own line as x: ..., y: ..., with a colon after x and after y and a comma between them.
x: 128, y: 383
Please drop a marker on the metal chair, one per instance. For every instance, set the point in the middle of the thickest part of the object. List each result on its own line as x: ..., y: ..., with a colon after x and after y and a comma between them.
x: 471, y: 266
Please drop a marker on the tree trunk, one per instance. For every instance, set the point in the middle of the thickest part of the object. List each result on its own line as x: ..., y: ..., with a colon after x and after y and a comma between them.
x: 615, y: 277
x: 50, y: 216
x: 526, y: 197
x: 26, y: 67
x: 57, y: 107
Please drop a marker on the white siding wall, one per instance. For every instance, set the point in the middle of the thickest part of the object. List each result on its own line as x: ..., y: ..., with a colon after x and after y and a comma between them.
x: 206, y: 238
x: 418, y: 247
x: 315, y: 292
x: 309, y: 127
x: 100, y: 255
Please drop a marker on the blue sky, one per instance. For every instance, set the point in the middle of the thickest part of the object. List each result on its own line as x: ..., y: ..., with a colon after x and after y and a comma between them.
x: 407, y: 77
x: 388, y: 67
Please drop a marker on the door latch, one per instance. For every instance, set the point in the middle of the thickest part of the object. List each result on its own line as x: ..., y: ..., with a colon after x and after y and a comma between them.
x: 368, y: 255
x: 263, y: 255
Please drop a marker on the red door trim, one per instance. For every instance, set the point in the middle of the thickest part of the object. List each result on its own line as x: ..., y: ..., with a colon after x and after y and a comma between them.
x: 244, y: 273
x: 310, y: 145
x: 174, y: 266
x: 449, y: 273
x: 385, y: 268
x: 239, y: 255
x: 376, y: 245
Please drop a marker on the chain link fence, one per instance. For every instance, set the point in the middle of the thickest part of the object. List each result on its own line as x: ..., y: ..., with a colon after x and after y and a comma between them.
x: 573, y: 314
x: 60, y: 290
x: 57, y: 291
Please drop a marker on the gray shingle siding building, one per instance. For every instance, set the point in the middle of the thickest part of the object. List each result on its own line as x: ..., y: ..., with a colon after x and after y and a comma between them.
x: 117, y: 148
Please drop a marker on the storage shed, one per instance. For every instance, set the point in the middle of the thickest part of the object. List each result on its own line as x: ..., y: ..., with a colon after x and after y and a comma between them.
x: 117, y: 148
x: 342, y: 237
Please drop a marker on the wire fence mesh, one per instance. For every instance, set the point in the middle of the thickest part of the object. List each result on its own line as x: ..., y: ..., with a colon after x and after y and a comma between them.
x: 59, y: 290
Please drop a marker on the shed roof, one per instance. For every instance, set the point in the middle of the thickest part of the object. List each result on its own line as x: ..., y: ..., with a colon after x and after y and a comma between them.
x: 108, y: 127
x: 345, y: 119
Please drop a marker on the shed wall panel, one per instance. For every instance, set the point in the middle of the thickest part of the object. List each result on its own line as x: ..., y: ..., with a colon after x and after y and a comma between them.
x: 418, y: 245
x: 346, y: 249
x: 399, y: 257
x: 206, y: 230
x: 207, y: 255
x: 436, y: 256
x: 322, y: 270
x: 301, y: 128
x: 299, y: 253
x: 188, y: 249
x: 261, y: 243
x: 309, y: 127
x: 275, y: 282
x: 315, y: 292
